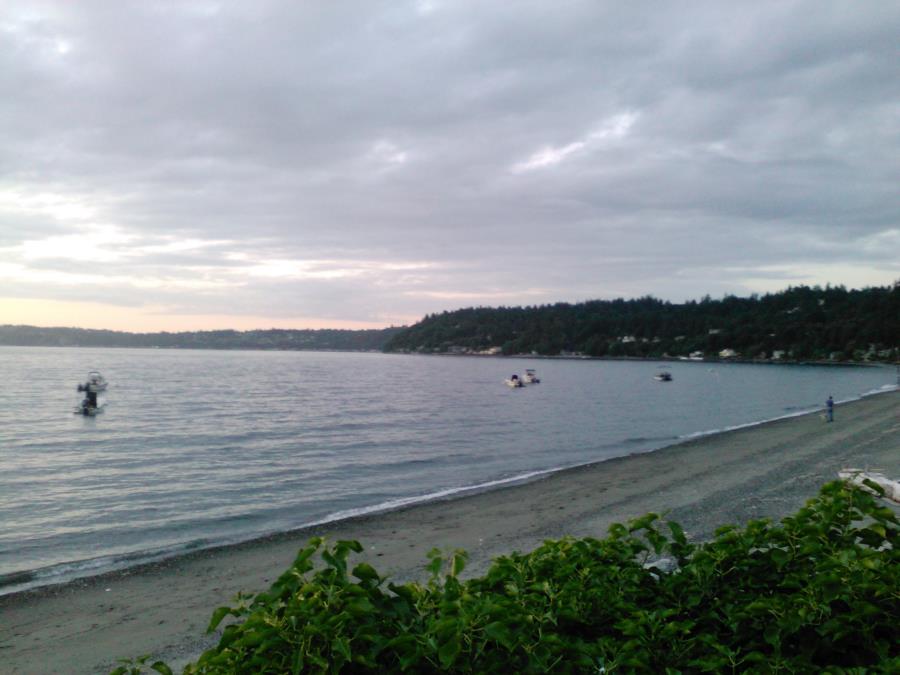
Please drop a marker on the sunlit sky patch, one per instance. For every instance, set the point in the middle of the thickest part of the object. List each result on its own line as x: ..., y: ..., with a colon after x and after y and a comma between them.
x: 318, y: 164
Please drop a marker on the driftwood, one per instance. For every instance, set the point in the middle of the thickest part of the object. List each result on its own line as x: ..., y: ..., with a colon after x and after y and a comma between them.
x: 859, y: 477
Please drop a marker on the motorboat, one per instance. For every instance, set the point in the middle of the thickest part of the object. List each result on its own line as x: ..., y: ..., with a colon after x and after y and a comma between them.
x: 531, y: 377
x: 95, y: 383
x: 88, y: 410
x: 663, y: 376
x: 90, y: 405
x: 514, y: 381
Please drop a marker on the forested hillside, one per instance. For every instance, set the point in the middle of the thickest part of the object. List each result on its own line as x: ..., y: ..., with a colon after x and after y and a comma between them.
x: 800, y: 323
x: 328, y: 339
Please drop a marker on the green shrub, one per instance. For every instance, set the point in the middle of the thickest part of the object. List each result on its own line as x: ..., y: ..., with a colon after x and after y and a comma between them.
x: 819, y: 592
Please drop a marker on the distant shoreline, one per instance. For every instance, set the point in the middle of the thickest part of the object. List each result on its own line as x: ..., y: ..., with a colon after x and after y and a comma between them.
x: 196, y: 349
x: 659, y: 359
x: 559, y: 357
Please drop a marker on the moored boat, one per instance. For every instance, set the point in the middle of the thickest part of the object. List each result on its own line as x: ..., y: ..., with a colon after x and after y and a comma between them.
x: 664, y: 376
x: 95, y: 383
x: 88, y: 410
x: 531, y: 377
x: 514, y: 381
x: 90, y: 405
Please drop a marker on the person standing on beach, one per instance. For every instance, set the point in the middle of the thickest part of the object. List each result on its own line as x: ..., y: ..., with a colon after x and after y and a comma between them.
x: 829, y: 410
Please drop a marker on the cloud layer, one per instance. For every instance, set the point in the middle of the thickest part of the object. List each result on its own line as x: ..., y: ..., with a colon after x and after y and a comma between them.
x: 367, y: 162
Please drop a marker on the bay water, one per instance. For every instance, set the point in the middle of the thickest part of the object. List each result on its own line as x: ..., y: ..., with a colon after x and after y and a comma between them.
x: 201, y: 448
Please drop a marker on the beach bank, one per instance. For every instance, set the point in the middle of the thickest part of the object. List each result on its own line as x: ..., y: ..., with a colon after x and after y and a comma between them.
x: 162, y: 609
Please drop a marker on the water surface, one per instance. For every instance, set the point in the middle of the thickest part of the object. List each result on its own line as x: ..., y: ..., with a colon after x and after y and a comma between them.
x: 197, y: 448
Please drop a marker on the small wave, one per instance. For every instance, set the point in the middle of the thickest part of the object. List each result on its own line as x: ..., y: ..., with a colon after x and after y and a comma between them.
x: 410, y: 463
x: 881, y: 390
x: 800, y: 412
x: 69, y: 571
x: 78, y: 569
x: 797, y: 411
x: 25, y: 579
x: 394, y: 504
x: 15, y: 579
x: 635, y: 440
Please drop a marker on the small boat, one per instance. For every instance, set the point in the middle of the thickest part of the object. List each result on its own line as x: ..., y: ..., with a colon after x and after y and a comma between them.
x: 664, y: 376
x: 90, y: 405
x: 530, y: 377
x: 95, y: 383
x: 514, y: 381
x: 88, y: 410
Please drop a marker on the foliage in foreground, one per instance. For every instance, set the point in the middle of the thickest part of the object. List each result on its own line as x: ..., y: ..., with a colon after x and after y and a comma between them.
x: 819, y: 591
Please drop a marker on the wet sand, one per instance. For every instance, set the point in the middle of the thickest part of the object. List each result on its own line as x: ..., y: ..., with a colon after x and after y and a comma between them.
x: 162, y: 609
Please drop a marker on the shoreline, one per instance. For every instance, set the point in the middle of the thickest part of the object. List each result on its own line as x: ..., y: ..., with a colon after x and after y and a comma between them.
x: 118, y: 565
x: 559, y: 357
x: 663, y: 359
x: 766, y: 469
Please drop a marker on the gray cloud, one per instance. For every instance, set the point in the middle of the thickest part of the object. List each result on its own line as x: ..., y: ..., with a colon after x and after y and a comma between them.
x: 376, y: 161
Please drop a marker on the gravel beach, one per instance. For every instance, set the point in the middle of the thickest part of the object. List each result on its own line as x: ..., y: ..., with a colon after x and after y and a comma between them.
x: 162, y: 609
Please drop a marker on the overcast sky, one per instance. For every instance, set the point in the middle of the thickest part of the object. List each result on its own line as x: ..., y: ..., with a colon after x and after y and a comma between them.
x: 189, y: 165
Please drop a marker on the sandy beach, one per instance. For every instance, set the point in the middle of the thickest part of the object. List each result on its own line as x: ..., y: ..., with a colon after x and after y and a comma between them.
x: 162, y: 609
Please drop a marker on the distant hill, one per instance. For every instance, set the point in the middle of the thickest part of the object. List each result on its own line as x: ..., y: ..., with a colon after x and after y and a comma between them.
x: 800, y: 323
x: 325, y: 339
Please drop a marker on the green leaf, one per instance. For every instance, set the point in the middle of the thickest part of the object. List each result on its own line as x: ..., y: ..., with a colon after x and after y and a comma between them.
x: 217, y: 617
x: 878, y: 529
x: 366, y: 572
x: 458, y: 563
x: 499, y: 632
x: 872, y: 485
x: 779, y: 557
x: 342, y: 647
x: 434, y: 567
x: 644, y: 522
x: 301, y: 562
x: 161, y: 667
x: 343, y: 548
x: 617, y: 530
x: 448, y: 651
x: 405, y: 591
x: 229, y: 635
x: 677, y: 532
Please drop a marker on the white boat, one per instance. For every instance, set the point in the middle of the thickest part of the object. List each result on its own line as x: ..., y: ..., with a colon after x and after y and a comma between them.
x: 88, y: 410
x: 95, y: 383
x: 664, y: 376
x: 514, y: 381
x: 531, y: 377
x: 90, y: 405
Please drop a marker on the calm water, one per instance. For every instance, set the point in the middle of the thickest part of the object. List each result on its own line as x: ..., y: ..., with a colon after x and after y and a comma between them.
x: 202, y: 447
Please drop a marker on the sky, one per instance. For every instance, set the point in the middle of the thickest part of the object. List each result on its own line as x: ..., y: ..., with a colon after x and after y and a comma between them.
x: 178, y: 165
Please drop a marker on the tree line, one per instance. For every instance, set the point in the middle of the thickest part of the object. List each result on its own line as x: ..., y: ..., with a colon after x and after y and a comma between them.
x: 323, y: 339
x: 800, y: 323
